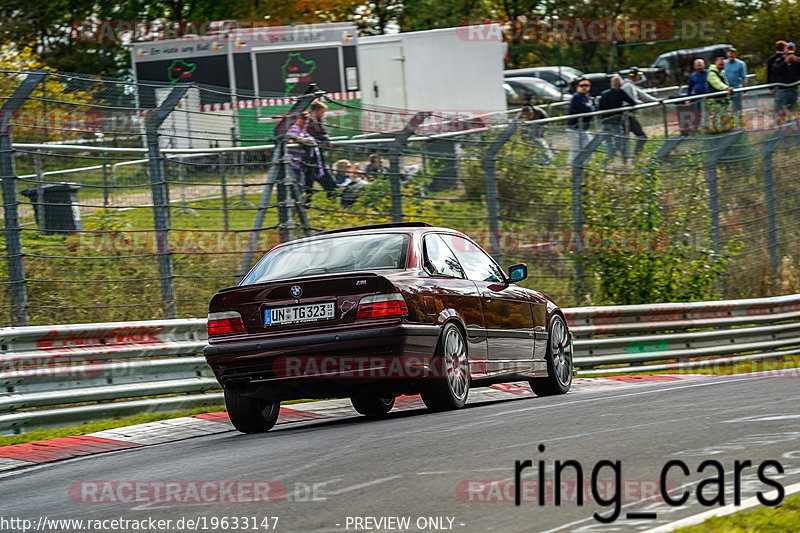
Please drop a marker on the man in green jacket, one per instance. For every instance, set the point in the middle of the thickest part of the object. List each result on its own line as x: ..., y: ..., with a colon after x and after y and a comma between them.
x: 719, y: 116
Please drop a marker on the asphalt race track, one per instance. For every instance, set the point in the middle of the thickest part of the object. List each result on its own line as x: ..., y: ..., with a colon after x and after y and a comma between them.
x: 434, y: 469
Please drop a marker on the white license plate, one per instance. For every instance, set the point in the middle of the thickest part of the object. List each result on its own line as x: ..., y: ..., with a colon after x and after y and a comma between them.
x: 299, y: 313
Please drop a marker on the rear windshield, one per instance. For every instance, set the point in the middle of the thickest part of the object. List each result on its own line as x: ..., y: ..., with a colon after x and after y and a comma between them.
x: 345, y: 253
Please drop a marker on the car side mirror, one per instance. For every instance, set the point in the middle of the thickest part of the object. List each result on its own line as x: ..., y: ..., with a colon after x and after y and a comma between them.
x: 518, y: 272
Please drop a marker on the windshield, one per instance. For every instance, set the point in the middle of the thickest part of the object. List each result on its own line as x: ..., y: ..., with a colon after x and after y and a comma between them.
x: 346, y: 253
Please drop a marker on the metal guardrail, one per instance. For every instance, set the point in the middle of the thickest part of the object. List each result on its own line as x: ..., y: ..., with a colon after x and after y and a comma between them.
x: 58, y: 375
x: 683, y: 336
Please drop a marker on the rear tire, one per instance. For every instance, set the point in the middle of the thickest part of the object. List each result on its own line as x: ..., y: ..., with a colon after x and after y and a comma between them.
x: 372, y: 405
x: 559, y: 361
x: 251, y: 415
x: 449, y: 388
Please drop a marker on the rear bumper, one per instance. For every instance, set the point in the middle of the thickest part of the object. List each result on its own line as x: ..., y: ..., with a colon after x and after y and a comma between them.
x: 325, y: 365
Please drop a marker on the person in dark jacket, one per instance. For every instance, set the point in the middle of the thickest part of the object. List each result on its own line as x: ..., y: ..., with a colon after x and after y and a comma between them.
x: 779, y: 45
x: 786, y: 70
x: 317, y: 130
x: 613, y: 124
x: 698, y: 84
x: 581, y: 102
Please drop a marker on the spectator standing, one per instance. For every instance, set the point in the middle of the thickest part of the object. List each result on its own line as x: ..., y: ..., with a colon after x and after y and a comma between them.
x: 719, y: 119
x: 779, y: 45
x: 613, y: 124
x: 639, y: 96
x: 786, y: 70
x: 316, y: 129
x: 581, y: 102
x: 736, y: 72
x: 306, y: 160
x: 697, y: 83
x: 696, y: 86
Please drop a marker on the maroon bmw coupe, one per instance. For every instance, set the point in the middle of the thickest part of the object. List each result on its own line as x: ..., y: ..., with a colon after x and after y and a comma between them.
x: 374, y: 312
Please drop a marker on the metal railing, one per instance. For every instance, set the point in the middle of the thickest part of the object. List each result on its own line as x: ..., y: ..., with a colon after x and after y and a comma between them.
x: 60, y: 375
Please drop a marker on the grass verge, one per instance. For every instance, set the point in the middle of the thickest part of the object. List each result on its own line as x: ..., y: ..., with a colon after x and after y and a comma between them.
x: 782, y: 519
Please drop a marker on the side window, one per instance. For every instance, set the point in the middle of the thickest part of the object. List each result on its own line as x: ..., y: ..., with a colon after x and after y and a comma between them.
x: 439, y: 259
x: 477, y: 265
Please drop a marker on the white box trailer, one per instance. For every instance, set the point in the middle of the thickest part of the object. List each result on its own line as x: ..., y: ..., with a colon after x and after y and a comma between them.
x: 449, y: 69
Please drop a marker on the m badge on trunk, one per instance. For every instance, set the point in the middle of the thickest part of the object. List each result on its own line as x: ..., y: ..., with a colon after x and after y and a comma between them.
x: 296, y: 291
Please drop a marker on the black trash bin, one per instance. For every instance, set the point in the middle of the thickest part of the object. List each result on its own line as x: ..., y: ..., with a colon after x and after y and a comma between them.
x: 60, y: 204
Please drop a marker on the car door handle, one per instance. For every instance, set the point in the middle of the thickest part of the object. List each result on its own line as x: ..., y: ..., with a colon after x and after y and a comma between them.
x: 487, y: 296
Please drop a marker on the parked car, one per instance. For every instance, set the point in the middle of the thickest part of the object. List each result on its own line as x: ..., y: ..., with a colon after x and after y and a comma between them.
x: 377, y: 311
x: 535, y: 90
x: 562, y: 77
x: 513, y: 99
x: 675, y: 67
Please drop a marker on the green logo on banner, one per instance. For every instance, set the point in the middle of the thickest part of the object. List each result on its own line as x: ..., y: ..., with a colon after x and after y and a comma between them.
x: 295, y: 70
x: 180, y: 69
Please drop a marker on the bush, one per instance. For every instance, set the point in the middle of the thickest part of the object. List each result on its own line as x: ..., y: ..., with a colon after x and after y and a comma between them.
x: 656, y: 247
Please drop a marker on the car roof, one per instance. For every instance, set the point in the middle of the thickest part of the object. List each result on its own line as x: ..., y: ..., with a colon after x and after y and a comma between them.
x: 528, y: 79
x: 403, y: 227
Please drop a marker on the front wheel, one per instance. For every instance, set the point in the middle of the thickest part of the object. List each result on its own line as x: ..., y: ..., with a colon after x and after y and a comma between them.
x: 251, y: 415
x: 559, y: 361
x: 448, y: 389
x: 372, y: 405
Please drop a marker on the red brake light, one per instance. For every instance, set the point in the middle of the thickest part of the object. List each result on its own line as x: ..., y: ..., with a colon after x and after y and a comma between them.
x: 225, y: 323
x: 381, y: 305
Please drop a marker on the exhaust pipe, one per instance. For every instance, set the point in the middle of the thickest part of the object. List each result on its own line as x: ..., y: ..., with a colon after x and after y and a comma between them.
x: 235, y: 385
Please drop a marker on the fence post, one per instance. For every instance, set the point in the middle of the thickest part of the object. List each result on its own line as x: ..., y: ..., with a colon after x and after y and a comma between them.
x: 105, y: 179
x: 37, y: 168
x: 492, y: 201
x: 769, y: 195
x: 16, y: 265
x: 713, y: 188
x: 395, y: 149
x: 285, y: 207
x: 224, y: 186
x: 158, y: 186
x: 577, y: 210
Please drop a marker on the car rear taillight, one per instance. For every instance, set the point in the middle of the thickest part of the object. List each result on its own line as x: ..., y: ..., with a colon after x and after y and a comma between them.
x: 381, y: 305
x: 225, y: 323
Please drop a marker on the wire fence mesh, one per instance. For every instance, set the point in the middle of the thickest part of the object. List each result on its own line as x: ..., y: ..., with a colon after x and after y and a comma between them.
x: 127, y: 201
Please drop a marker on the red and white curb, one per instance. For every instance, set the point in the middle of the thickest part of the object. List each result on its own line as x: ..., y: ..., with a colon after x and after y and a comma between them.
x: 18, y: 456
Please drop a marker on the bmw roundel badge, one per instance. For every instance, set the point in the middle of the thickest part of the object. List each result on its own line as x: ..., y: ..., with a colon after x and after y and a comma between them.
x: 296, y: 291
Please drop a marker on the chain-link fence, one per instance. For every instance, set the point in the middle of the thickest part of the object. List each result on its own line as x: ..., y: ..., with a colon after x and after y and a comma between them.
x: 127, y: 201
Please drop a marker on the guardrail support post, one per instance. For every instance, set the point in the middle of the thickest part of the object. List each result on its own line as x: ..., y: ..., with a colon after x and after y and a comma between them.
x: 16, y: 265
x: 492, y: 193
x: 158, y: 186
